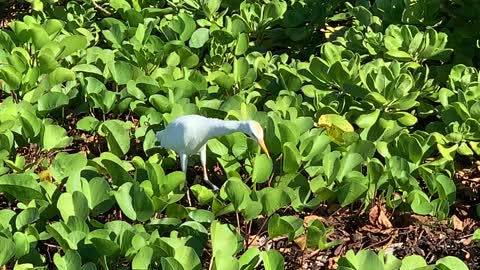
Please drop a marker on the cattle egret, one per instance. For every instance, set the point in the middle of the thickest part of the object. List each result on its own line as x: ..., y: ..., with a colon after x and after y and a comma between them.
x: 189, y: 134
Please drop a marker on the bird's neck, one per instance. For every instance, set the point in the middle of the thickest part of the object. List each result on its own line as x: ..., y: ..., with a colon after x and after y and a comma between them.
x: 224, y: 127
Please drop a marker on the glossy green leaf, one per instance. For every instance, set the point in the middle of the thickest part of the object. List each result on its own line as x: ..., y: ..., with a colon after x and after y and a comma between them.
x: 199, y: 38
x: 262, y: 169
x: 272, y: 260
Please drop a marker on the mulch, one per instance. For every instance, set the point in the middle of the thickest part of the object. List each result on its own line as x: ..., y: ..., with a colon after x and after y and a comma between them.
x: 410, y: 234
x: 11, y: 10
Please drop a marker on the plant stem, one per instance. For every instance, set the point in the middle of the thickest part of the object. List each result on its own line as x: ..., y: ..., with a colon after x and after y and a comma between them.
x: 256, y: 235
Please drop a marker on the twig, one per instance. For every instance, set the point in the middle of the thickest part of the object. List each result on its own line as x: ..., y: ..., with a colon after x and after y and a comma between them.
x: 239, y: 229
x: 97, y: 6
x: 256, y: 235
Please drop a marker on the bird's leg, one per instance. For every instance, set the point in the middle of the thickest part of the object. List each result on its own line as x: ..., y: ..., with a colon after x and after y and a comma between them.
x: 203, y: 160
x: 183, y: 164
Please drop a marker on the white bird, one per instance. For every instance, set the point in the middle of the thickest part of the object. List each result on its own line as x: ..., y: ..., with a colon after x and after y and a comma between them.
x: 188, y: 135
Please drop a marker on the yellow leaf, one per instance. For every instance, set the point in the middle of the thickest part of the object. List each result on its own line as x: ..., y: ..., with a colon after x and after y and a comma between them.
x: 45, y: 175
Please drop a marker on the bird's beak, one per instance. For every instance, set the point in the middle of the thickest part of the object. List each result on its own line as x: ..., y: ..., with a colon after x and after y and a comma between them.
x: 261, y: 142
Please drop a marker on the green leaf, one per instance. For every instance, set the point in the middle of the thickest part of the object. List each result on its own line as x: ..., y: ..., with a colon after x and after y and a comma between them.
x: 51, y: 101
x: 451, y: 263
x: 71, y: 44
x: 22, y: 187
x: 224, y: 240
x: 446, y: 188
x: 262, y: 169
x: 173, y: 59
x: 71, y: 260
x: 419, y: 202
x: 88, y: 123
x: 291, y: 225
x: 203, y: 194
x: 65, y: 165
x: 317, y: 235
x: 54, y: 137
x: 53, y: 26
x: 351, y: 190
x: 349, y: 162
x: 201, y: 216
x: 476, y: 233
x: 27, y: 216
x: 119, y: 174
x: 291, y: 158
x: 122, y: 72
x: 413, y: 262
x: 98, y: 196
x: 272, y: 260
x: 47, y: 62
x: 22, y: 244
x: 61, y: 75
x: 118, y: 138
x: 39, y: 36
x: 242, y: 44
x: 11, y: 76
x: 222, y: 37
x: 238, y: 193
x: 73, y: 205
x: 225, y: 262
x: 143, y: 258
x: 273, y: 199
x: 188, y: 24
x: 169, y: 263
x: 364, y: 259
x: 133, y: 202
x: 87, y: 68
x: 7, y: 250
x: 120, y: 4
x: 249, y: 259
x: 367, y: 120
x: 187, y: 257
x: 199, y: 38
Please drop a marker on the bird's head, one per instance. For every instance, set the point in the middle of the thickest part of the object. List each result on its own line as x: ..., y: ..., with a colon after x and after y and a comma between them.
x: 255, y: 131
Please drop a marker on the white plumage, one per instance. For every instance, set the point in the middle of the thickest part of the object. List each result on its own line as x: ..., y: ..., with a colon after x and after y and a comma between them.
x: 189, y: 134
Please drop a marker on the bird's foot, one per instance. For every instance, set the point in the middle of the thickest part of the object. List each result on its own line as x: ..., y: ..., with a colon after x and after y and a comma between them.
x: 214, y: 187
x: 188, y: 197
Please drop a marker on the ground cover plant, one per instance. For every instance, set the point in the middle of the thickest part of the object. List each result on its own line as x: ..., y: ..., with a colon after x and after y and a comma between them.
x: 371, y: 111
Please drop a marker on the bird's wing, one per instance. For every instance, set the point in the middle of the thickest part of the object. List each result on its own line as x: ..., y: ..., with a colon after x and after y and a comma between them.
x: 159, y: 136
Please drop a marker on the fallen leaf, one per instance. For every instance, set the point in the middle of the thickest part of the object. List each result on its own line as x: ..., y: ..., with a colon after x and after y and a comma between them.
x: 467, y: 241
x: 457, y: 223
x: 384, y: 221
x: 308, y: 219
x: 377, y: 217
x: 301, y: 241
x: 332, y: 262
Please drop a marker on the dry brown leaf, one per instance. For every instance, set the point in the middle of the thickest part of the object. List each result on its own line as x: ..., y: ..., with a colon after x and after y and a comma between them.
x: 308, y: 219
x: 384, y: 221
x: 457, y: 223
x: 332, y: 262
x: 373, y: 214
x: 467, y: 241
x: 301, y: 241
x: 377, y: 217
x: 375, y: 230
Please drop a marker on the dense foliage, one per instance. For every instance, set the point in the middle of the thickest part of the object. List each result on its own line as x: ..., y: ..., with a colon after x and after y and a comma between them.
x: 362, y: 101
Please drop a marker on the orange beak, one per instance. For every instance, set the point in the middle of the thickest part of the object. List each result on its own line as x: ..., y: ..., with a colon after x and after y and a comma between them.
x: 264, y: 147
